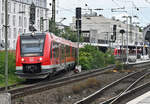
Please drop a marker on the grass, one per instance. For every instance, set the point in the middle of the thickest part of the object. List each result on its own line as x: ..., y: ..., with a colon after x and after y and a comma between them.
x: 89, y: 83
x: 12, y: 79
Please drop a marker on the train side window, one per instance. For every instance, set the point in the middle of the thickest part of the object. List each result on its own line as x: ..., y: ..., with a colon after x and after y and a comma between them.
x: 67, y: 51
x: 55, y: 50
x: 73, y: 52
x: 62, y: 51
x: 51, y: 50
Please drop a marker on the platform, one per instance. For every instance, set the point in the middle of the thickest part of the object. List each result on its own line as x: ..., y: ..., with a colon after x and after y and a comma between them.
x: 139, y: 61
x: 143, y: 99
x: 5, y: 98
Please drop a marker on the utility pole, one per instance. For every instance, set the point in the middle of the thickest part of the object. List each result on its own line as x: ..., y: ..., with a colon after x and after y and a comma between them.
x: 122, y: 32
x: 6, y: 48
x: 130, y: 17
x: 53, y: 15
x: 127, y: 42
x: 53, y: 11
x: 78, y: 27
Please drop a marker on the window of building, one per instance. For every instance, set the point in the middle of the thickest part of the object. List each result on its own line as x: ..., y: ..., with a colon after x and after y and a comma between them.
x: 20, y: 7
x: 15, y: 33
x: 14, y: 7
x: 8, y: 43
x: 9, y: 33
x: 37, y: 12
x: 20, y: 21
x: 38, y: 23
x: 25, y: 22
x: 9, y: 7
x: 3, y: 5
x: 8, y: 19
x: 14, y: 20
x: 24, y: 30
x: 2, y: 18
x: 41, y: 13
x: 14, y: 44
x: 24, y: 9
x: 3, y: 32
x: 0, y: 33
x: 37, y: 2
x: 20, y: 31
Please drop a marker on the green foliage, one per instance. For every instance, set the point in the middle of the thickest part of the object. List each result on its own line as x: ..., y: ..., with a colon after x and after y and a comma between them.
x: 109, y: 57
x: 12, y: 78
x: 11, y: 62
x: 119, y: 65
x: 66, y: 33
x: 85, y: 60
x: 91, y: 58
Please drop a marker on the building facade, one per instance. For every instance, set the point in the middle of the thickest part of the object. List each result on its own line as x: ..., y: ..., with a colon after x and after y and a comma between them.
x: 18, y: 18
x: 99, y: 30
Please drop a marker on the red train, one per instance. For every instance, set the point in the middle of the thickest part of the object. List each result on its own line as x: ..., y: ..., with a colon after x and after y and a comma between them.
x: 38, y: 55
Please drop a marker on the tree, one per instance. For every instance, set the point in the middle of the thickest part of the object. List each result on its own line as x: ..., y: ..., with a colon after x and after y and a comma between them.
x: 66, y: 33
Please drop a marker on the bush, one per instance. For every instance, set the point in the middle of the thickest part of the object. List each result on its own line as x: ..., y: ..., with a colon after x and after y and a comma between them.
x: 91, y: 58
x: 119, y: 65
x: 109, y: 57
x: 85, y: 60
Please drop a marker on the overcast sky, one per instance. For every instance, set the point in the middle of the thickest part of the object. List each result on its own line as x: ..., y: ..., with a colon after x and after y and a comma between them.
x: 140, y: 8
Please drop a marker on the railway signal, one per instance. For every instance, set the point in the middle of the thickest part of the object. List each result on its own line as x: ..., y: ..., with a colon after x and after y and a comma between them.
x: 32, y: 13
x: 78, y: 27
x: 41, y: 24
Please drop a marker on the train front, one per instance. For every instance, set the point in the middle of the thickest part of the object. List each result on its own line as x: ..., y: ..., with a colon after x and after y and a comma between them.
x: 31, y: 55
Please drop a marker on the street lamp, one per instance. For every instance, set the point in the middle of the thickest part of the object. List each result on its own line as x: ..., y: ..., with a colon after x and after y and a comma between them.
x: 136, y: 23
x: 122, y: 32
x: 127, y: 37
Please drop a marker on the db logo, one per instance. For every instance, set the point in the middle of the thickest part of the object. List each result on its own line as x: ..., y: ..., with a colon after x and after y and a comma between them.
x: 31, y: 59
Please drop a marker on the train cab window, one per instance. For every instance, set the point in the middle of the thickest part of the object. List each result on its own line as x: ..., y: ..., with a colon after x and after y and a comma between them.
x: 32, y: 46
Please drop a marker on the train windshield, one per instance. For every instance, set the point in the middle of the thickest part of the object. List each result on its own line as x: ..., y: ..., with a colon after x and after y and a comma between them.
x: 32, y: 46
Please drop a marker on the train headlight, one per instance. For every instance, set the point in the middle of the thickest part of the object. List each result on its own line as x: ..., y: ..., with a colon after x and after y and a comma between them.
x: 40, y: 58
x: 22, y: 59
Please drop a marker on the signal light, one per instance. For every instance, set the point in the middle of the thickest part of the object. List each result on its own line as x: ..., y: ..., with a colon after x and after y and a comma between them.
x: 78, y: 23
x: 78, y: 13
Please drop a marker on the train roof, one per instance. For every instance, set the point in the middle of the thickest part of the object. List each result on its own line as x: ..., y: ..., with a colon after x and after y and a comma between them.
x: 63, y: 41
x: 53, y: 37
x: 35, y: 33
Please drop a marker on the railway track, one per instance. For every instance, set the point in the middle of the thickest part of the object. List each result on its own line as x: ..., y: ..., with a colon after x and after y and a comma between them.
x: 56, y: 77
x: 113, y: 89
x: 127, y: 91
x: 127, y: 96
x: 43, y: 86
x: 26, y: 82
x: 31, y: 82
